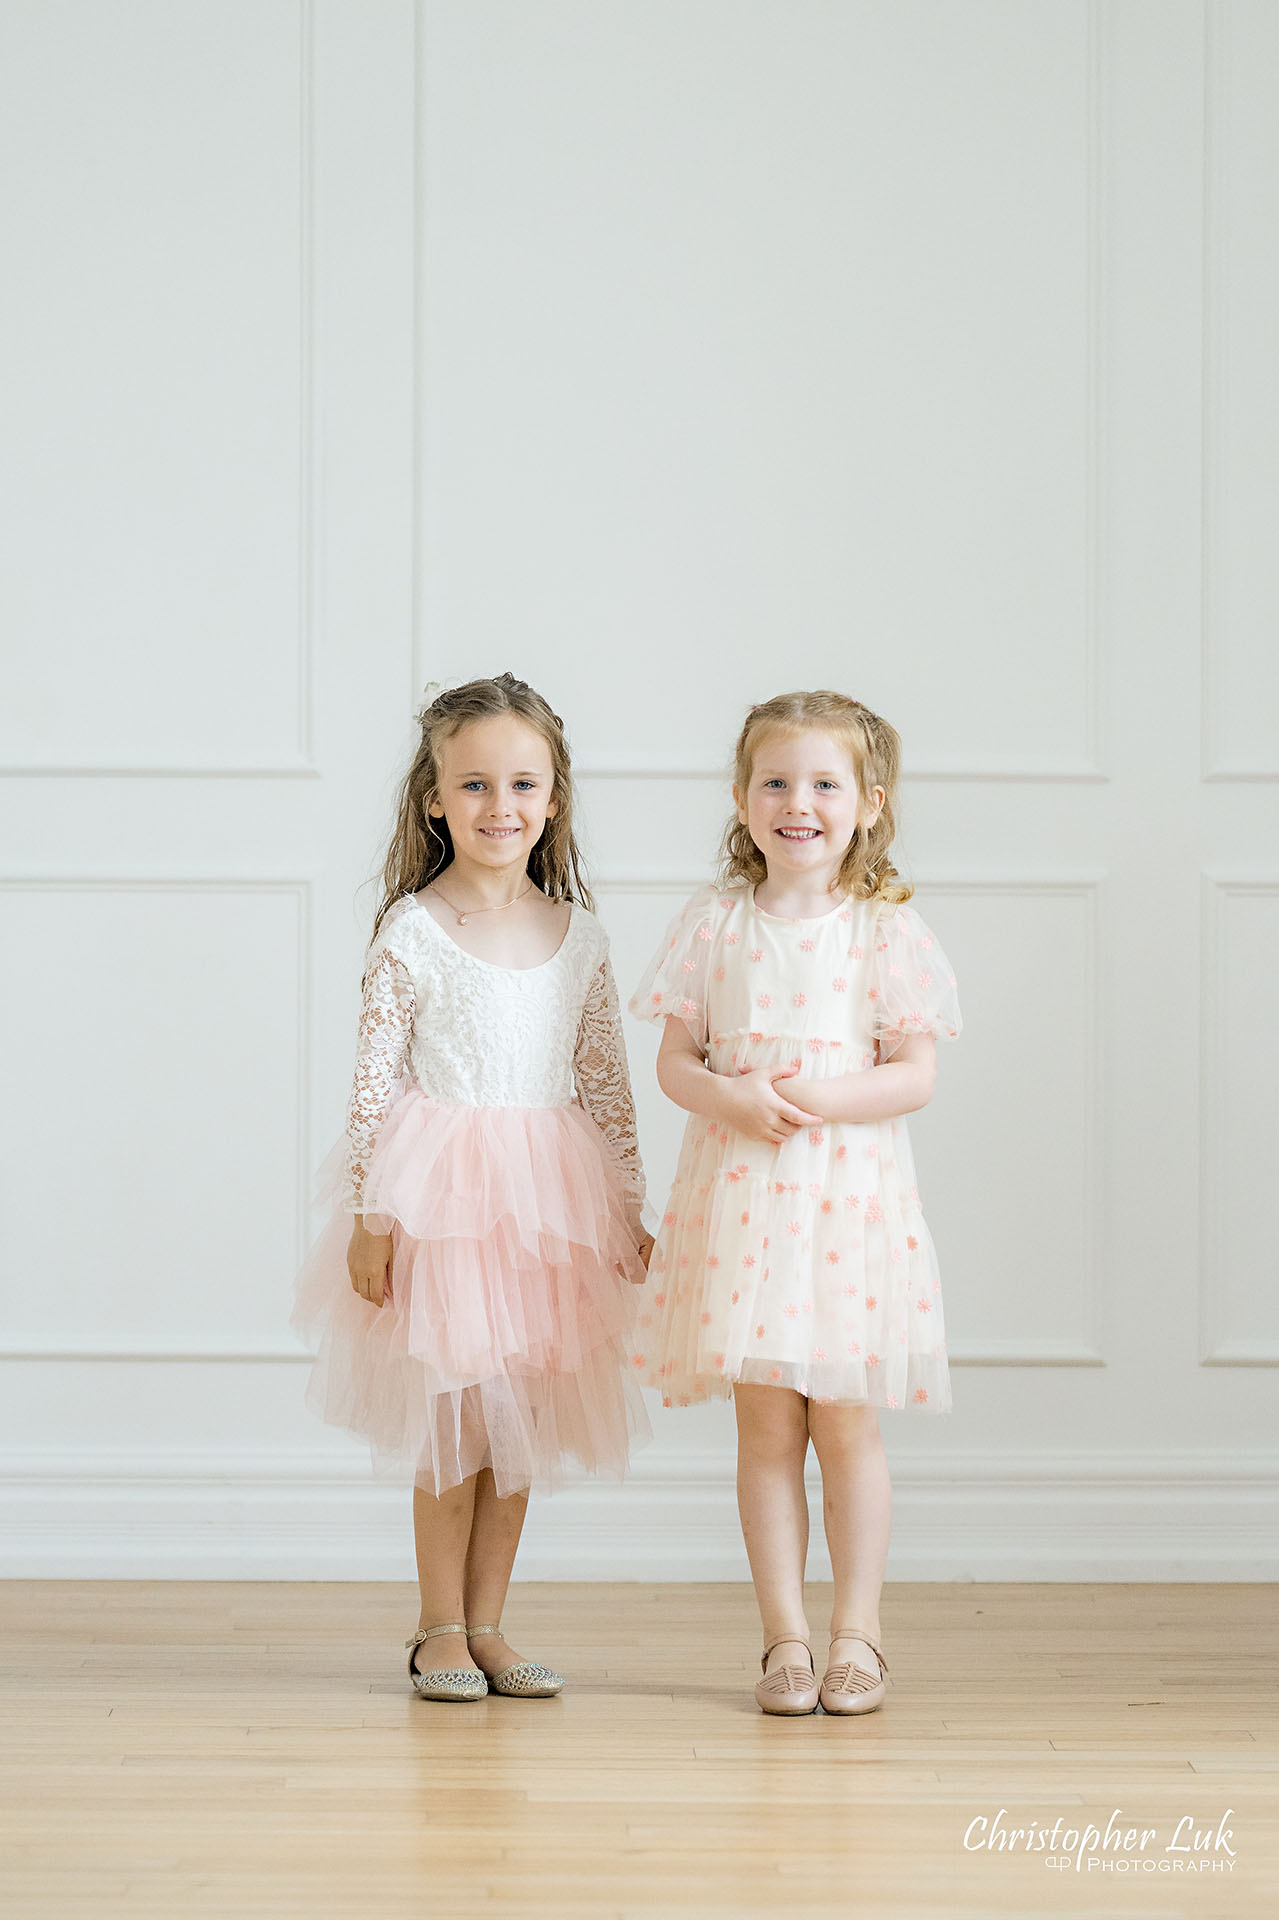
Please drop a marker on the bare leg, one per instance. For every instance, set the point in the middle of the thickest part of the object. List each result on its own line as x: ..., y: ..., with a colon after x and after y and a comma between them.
x: 857, y: 1506
x: 441, y: 1534
x: 772, y: 1442
x: 495, y: 1536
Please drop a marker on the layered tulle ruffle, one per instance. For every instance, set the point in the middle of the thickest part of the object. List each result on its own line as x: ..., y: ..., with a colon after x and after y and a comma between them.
x: 504, y: 1340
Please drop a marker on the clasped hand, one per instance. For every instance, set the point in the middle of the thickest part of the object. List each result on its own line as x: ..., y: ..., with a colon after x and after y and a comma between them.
x: 759, y: 1110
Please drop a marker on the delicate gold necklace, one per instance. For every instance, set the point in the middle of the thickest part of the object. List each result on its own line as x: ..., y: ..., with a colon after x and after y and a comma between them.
x: 462, y: 918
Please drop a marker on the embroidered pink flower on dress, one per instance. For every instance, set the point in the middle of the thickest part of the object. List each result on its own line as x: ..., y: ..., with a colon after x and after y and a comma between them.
x: 872, y: 993
x: 819, y: 1353
x: 854, y: 1347
x: 924, y: 1306
x: 791, y: 1310
x: 800, y: 1000
x: 775, y: 1373
x: 765, y: 1000
x: 731, y: 939
x: 872, y: 1359
x: 690, y: 966
x: 719, y: 1359
x: 669, y: 1219
x: 757, y: 954
x: 759, y: 1331
x: 806, y: 946
x: 656, y: 999
x: 871, y: 1303
x: 891, y: 1400
x: 850, y: 1291
x: 925, y: 979
x: 736, y: 1296
x: 827, y: 1206
x: 748, y: 1260
x: 832, y: 1257
x: 706, y: 1319
x: 638, y: 1360
x: 816, y: 1138
x: 793, y: 1226
x: 874, y: 1211
x: 841, y: 1153
x: 895, y: 971
x: 712, y: 1261
x: 912, y: 1243
x: 719, y: 973
x: 745, y: 1220
x: 921, y: 1394
x: 704, y: 933
x: 839, y: 983
x: 855, y: 953
x: 844, y: 917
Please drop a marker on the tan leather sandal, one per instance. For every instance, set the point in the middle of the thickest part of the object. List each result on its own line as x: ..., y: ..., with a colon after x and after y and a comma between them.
x: 787, y: 1689
x: 445, y: 1683
x: 847, y: 1688
x: 528, y: 1679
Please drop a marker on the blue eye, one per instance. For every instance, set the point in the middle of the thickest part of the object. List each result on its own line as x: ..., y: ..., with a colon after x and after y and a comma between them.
x: 826, y: 783
x: 525, y: 783
x: 774, y: 782
x: 469, y: 785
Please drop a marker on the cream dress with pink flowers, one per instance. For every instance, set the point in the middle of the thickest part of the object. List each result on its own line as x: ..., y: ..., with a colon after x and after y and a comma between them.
x: 807, y: 1265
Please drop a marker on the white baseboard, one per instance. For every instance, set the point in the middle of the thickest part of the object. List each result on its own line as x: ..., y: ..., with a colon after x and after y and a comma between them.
x: 232, y: 1514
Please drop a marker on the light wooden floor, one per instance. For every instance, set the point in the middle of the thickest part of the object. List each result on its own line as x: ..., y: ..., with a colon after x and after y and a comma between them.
x: 178, y: 1749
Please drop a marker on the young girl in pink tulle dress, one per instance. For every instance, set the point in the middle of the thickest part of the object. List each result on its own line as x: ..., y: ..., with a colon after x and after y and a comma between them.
x: 802, y: 1000
x: 474, y: 1288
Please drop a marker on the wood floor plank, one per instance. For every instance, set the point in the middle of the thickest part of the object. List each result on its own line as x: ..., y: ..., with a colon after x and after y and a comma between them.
x: 229, y: 1749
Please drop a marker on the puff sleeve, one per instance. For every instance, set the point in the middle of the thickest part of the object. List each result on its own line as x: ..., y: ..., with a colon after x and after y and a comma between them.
x: 676, y: 978
x: 913, y: 987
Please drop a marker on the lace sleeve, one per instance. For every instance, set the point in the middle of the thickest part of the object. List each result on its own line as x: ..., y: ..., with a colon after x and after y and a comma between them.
x: 381, y: 1052
x: 599, y: 1063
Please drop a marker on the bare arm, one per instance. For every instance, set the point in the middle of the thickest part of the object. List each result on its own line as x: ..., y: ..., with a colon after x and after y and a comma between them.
x: 901, y: 1085
x: 750, y: 1102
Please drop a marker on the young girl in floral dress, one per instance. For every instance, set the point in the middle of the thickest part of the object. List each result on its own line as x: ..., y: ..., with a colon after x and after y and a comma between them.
x: 802, y: 1000
x: 473, y: 1289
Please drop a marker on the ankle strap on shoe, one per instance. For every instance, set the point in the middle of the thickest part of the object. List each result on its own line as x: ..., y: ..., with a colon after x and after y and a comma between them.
x: 429, y: 1633
x: 859, y: 1633
x: 472, y: 1631
x: 782, y: 1638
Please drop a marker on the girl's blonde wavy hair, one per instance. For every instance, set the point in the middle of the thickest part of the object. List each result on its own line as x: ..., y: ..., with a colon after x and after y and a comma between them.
x: 875, y: 749
x: 421, y: 848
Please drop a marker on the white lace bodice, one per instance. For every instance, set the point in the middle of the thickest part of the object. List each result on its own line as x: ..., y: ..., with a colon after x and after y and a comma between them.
x: 475, y: 1034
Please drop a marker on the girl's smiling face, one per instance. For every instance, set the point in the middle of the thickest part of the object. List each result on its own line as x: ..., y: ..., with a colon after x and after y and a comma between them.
x: 803, y: 805
x: 496, y: 790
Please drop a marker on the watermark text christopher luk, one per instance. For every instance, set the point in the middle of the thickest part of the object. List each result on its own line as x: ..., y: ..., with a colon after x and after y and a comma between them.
x: 1186, y: 1846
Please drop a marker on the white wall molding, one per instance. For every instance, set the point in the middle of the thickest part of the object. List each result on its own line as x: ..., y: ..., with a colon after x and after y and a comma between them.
x: 300, y: 766
x: 227, y: 1513
x: 1216, y: 386
x: 1215, y: 1349
x: 299, y: 888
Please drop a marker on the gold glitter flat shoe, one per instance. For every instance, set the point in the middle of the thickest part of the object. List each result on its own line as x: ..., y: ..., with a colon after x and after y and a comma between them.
x: 788, y: 1688
x: 850, y: 1689
x: 445, y: 1683
x: 528, y: 1679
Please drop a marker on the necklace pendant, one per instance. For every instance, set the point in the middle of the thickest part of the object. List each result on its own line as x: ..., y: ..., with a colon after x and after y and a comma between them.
x: 461, y: 919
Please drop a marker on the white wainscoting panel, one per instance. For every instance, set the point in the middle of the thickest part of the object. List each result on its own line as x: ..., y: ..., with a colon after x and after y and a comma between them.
x: 775, y: 409
x: 156, y: 374
x: 1241, y: 391
x: 1239, y: 1260
x: 155, y: 1161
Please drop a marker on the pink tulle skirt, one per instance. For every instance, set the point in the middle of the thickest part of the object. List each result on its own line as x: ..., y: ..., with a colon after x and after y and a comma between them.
x: 503, y: 1341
